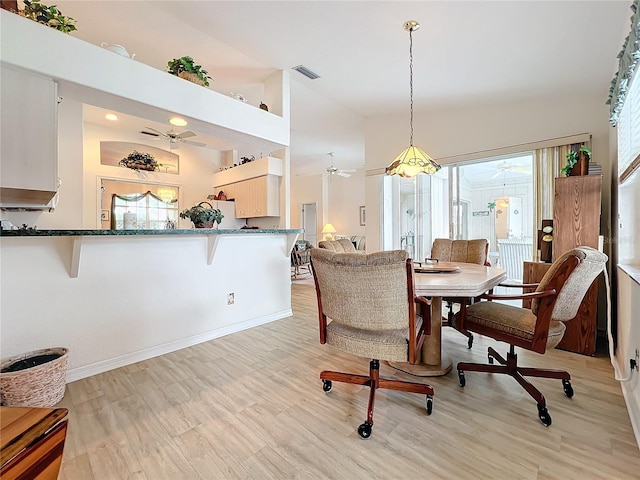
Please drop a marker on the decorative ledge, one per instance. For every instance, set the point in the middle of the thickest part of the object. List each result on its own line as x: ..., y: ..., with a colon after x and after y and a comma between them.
x: 213, y: 238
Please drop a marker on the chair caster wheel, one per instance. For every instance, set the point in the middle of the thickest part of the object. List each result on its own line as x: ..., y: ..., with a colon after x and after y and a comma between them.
x: 429, y: 404
x: 470, y: 342
x: 461, y: 378
x: 543, y: 415
x: 326, y: 385
x: 568, y: 389
x: 364, y: 430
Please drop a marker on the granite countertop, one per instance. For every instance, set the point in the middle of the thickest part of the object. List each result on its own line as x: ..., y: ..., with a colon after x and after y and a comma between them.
x: 190, y: 231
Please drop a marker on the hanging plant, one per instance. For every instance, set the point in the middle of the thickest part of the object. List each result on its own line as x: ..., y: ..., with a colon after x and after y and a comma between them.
x: 49, y: 16
x: 139, y: 161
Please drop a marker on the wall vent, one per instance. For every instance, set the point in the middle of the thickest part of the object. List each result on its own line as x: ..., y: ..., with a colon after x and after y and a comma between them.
x: 306, y: 72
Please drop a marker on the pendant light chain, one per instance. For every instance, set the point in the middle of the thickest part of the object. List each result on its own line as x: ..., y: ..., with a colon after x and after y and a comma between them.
x: 411, y: 84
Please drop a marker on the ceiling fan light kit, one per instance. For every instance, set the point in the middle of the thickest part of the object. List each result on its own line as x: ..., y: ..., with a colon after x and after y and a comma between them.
x: 412, y: 160
x: 174, y: 137
x: 333, y: 170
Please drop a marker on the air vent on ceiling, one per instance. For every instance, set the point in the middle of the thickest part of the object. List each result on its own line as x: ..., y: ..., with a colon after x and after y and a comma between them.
x: 306, y: 72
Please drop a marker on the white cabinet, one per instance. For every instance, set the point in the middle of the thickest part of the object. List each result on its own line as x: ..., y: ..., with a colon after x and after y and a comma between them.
x: 29, y: 127
x: 257, y: 197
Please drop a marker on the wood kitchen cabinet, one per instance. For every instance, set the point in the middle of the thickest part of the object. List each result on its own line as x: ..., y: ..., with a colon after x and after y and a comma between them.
x: 257, y: 197
x: 29, y: 151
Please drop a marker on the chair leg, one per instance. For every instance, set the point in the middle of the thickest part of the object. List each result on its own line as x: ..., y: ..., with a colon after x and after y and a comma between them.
x: 510, y: 367
x: 374, y: 382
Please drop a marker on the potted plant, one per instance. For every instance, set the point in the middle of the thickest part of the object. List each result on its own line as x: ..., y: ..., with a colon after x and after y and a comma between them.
x: 46, y: 15
x: 583, y: 155
x: 185, y: 67
x: 203, y: 216
x: 139, y: 161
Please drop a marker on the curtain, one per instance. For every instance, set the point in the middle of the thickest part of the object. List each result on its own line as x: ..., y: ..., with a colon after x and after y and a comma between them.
x: 547, y: 163
x: 629, y: 58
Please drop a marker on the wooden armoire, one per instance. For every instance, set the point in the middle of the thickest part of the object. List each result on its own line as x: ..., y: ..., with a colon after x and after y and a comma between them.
x: 576, y: 222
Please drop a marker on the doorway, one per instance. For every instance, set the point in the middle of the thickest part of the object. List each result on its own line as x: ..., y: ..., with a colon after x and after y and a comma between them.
x: 309, y: 222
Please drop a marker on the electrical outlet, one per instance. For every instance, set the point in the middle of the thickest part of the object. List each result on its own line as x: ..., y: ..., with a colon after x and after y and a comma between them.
x: 231, y: 298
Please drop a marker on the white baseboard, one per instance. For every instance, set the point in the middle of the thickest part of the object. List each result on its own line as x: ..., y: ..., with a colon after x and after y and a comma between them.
x: 633, y: 407
x: 85, y: 371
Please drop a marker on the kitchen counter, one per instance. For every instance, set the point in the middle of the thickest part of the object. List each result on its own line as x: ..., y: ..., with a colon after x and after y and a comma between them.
x: 190, y: 231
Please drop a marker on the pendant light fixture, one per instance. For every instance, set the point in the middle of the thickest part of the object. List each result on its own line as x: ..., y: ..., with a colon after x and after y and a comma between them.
x: 413, y: 160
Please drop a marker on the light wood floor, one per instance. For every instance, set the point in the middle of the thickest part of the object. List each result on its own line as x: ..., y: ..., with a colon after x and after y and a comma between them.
x: 250, y: 405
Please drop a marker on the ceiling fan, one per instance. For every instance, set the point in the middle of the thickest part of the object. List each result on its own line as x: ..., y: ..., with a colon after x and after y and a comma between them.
x: 333, y: 170
x: 504, y: 167
x: 174, y: 137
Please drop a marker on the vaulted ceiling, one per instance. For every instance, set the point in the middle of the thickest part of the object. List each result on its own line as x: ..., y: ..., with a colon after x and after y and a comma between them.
x: 465, y: 53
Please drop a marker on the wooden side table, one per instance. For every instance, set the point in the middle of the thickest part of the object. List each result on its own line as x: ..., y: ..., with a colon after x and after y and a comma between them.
x: 31, y: 442
x: 580, y: 336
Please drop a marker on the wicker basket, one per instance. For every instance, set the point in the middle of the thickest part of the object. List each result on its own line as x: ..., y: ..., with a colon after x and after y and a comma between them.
x: 39, y: 386
x: 192, y: 77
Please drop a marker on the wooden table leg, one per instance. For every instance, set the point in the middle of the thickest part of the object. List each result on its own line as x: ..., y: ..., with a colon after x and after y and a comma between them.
x: 433, y: 362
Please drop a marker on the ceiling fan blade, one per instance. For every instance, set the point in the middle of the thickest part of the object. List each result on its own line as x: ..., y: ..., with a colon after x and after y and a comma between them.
x: 154, y: 130
x: 343, y: 174
x: 191, y: 142
x: 349, y: 170
x: 186, y: 134
x: 496, y: 174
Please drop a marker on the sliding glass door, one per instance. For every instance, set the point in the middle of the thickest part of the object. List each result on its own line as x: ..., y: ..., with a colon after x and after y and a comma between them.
x: 492, y: 198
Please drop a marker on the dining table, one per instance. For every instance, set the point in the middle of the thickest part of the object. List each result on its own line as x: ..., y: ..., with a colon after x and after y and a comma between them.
x: 445, y: 279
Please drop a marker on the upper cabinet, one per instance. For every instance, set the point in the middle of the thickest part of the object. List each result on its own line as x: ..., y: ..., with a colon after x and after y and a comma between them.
x: 255, y: 187
x: 29, y: 167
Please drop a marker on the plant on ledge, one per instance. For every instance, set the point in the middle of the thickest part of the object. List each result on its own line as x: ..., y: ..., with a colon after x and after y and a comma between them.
x: 184, y: 67
x: 139, y: 161
x: 46, y: 15
x: 203, y: 216
x: 572, y: 158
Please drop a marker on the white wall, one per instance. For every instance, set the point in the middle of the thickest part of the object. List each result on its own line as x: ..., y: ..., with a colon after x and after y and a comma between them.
x: 136, y: 297
x: 478, y: 128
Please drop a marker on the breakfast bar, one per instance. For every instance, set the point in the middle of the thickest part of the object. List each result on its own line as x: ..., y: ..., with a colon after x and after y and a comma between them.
x: 117, y: 297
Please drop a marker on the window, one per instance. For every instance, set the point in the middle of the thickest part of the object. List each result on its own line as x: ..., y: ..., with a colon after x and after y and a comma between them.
x: 151, y: 212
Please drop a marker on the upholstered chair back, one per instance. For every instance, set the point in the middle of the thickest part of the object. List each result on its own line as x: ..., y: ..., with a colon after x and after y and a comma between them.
x: 466, y: 251
x: 368, y: 292
x: 342, y: 245
x: 571, y: 288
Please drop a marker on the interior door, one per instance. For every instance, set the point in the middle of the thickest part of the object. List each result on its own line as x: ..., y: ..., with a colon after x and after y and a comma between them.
x: 309, y: 222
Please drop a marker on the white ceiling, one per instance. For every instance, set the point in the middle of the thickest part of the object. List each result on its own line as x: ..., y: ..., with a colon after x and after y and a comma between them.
x: 466, y: 53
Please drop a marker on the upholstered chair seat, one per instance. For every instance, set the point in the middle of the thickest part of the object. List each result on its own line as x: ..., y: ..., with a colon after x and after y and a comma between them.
x: 515, y: 321
x: 390, y: 345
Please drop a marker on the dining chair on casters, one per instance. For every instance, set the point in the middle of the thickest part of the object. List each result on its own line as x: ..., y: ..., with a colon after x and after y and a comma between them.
x: 555, y: 301
x: 465, y: 251
x: 367, y: 307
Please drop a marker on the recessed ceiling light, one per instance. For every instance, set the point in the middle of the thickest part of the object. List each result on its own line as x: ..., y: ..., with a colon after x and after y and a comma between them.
x: 178, y: 122
x: 111, y: 116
